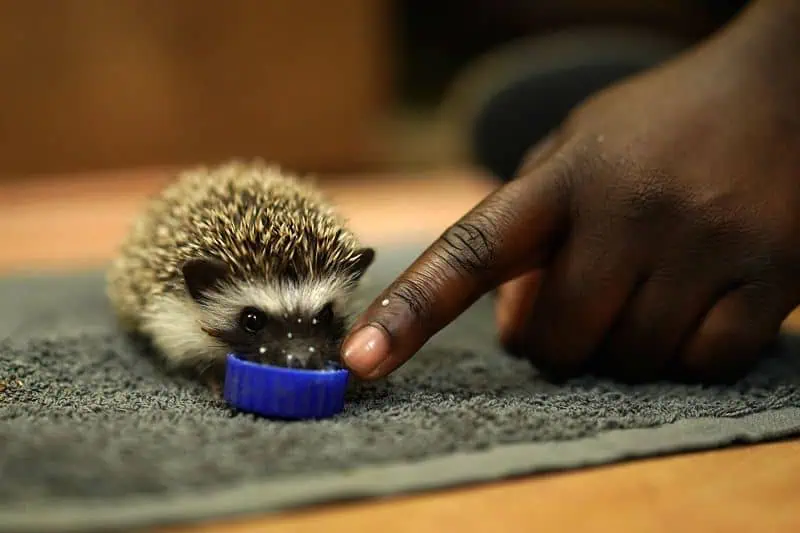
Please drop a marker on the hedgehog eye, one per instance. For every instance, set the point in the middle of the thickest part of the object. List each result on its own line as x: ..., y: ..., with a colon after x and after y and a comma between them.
x: 252, y: 320
x: 325, y: 315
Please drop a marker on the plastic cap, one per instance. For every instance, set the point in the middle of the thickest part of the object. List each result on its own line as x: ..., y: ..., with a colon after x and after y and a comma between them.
x: 287, y: 393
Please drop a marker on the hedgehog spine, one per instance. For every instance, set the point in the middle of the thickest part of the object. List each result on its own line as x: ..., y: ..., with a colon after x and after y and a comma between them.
x: 238, y: 257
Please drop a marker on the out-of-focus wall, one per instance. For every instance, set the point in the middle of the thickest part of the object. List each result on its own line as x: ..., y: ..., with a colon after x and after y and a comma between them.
x: 95, y: 84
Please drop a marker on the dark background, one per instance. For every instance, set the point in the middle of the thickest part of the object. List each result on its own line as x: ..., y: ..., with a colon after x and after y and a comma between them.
x: 320, y: 86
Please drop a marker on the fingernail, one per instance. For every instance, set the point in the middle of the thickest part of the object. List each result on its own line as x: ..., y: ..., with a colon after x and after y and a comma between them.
x: 365, y: 350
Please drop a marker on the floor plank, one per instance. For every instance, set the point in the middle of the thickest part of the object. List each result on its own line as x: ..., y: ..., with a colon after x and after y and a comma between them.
x: 749, y: 489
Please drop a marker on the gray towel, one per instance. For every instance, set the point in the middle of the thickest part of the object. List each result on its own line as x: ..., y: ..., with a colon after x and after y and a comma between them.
x: 94, y: 437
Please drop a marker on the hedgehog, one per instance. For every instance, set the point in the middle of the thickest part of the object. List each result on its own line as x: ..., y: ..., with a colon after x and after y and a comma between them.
x: 244, y: 258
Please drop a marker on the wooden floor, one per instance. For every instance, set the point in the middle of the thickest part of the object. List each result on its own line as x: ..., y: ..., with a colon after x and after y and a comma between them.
x: 54, y: 223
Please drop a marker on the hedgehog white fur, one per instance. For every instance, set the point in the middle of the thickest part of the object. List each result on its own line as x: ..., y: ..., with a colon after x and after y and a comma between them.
x: 241, y: 257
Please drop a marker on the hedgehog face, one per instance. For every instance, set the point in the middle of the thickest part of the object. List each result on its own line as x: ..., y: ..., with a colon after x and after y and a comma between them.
x: 294, y: 323
x: 294, y: 340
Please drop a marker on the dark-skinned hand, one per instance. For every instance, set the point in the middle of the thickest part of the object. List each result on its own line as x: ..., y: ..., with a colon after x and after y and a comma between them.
x: 657, y: 232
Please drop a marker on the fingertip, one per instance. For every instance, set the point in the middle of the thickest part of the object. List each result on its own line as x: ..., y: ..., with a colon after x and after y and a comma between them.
x: 365, y: 350
x: 511, y: 230
x: 734, y: 335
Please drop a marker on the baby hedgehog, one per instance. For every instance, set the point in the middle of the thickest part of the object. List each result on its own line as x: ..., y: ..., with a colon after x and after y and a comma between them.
x: 238, y: 258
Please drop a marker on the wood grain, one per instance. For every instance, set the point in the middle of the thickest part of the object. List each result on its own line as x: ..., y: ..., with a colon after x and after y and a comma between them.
x: 77, y: 221
x: 92, y: 84
x: 753, y: 489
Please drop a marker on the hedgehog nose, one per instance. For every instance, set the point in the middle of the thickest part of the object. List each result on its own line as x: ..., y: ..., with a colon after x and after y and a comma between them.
x: 292, y: 361
x: 308, y: 361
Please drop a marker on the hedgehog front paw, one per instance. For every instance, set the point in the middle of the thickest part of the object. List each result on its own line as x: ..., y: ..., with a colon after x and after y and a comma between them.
x: 215, y: 387
x: 215, y: 382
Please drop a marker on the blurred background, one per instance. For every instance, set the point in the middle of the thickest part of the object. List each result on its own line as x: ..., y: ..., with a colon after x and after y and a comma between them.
x: 100, y: 97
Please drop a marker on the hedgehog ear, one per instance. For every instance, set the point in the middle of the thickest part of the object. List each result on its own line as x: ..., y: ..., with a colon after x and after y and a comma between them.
x: 364, y: 259
x: 202, y: 275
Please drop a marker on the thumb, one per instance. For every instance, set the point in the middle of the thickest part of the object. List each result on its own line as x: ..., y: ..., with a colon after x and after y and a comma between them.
x: 511, y: 231
x: 514, y: 301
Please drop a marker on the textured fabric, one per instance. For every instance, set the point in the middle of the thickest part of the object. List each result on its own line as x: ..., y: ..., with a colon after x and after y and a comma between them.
x: 94, y: 436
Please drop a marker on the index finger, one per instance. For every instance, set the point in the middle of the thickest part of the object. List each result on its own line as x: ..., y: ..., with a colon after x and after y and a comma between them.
x: 508, y: 233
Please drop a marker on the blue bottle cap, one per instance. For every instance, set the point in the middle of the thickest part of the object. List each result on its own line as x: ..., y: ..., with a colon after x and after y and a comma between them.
x: 286, y: 393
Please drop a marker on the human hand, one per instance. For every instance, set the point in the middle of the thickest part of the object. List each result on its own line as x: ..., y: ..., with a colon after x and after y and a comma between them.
x: 657, y: 231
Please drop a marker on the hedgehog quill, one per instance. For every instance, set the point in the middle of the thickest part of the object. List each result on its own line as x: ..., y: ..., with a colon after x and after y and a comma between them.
x: 241, y: 257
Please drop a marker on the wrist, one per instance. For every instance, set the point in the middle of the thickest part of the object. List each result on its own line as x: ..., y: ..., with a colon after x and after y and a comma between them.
x: 753, y: 61
x: 763, y: 43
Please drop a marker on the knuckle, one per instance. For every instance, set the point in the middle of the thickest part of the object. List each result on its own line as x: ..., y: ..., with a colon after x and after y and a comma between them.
x: 540, y: 152
x: 648, y: 199
x: 771, y: 244
x: 418, y: 294
x: 715, y: 218
x: 470, y: 246
x: 756, y: 242
x: 623, y: 191
x: 764, y: 304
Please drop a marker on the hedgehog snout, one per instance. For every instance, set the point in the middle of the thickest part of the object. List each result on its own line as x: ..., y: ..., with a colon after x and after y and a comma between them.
x: 309, y: 359
x: 300, y: 353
